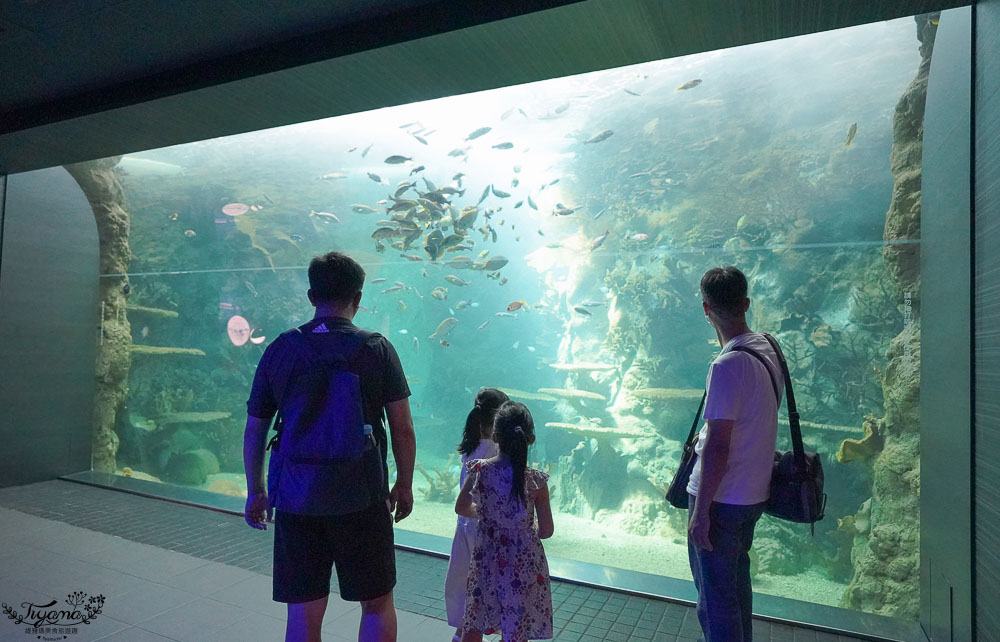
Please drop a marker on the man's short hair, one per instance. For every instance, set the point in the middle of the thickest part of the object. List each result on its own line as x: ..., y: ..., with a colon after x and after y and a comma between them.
x: 725, y: 290
x: 335, y: 277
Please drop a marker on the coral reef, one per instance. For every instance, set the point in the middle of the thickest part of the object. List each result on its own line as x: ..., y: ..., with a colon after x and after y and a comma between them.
x: 99, y: 183
x: 441, y: 484
x: 886, y: 564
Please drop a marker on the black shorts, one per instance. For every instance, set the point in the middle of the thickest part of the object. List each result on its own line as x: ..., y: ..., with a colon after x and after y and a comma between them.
x: 306, y: 547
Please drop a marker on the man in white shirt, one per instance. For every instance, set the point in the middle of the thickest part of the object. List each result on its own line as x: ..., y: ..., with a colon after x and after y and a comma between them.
x: 730, y: 482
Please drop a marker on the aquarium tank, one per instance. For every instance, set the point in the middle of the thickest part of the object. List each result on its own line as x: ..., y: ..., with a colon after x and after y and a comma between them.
x: 548, y: 240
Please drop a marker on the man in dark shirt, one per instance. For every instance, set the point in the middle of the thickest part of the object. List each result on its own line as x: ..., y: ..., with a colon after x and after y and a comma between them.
x: 360, y: 544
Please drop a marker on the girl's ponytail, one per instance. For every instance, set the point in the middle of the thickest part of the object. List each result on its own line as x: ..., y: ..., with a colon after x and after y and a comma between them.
x: 514, y: 430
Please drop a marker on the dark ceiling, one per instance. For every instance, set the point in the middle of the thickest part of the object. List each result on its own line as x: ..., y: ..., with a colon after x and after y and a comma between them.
x: 89, y: 78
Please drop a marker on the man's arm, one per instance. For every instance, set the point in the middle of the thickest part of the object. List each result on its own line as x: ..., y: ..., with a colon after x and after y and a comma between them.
x: 714, y: 464
x: 404, y: 451
x: 258, y: 509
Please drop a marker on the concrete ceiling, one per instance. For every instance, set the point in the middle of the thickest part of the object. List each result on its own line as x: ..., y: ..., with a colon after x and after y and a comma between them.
x: 89, y: 78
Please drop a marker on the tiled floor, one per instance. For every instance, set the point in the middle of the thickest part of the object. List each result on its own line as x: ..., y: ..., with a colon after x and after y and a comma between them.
x: 174, y: 572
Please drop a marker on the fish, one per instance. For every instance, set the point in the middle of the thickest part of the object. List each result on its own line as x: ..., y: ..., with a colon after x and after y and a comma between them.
x: 601, y: 213
x: 691, y: 84
x: 377, y: 178
x: 479, y: 132
x: 506, y: 314
x: 458, y: 151
x: 379, y: 247
x: 189, y: 233
x: 584, y: 311
x: 486, y: 192
x: 523, y: 113
x: 145, y: 331
x: 562, y: 210
x: 325, y: 216
x: 298, y: 238
x: 394, y: 288
x: 514, y: 182
x: 404, y: 331
x: 506, y: 114
x: 445, y: 327
x: 596, y: 138
x: 444, y: 343
x: 461, y: 305
x: 599, y: 241
x: 458, y: 176
x: 483, y: 324
x: 367, y: 149
x: 412, y: 257
x: 503, y: 146
x: 455, y: 280
x: 362, y: 209
x: 592, y: 304
x: 332, y: 176
x: 639, y: 237
x: 518, y: 204
x: 503, y: 280
x: 517, y: 344
x: 416, y: 344
x: 250, y: 287
x: 851, y: 133
x: 351, y: 149
x: 531, y: 348
x: 396, y: 159
x: 460, y: 262
x: 381, y: 279
x: 385, y: 233
x: 407, y: 125
x: 402, y: 305
x: 631, y: 93
x: 418, y: 168
x: 420, y: 139
x: 561, y: 108
x: 499, y: 193
x: 531, y: 203
x: 515, y: 305
x: 495, y: 263
x: 440, y: 293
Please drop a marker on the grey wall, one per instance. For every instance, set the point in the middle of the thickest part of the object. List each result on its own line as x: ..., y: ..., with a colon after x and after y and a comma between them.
x: 945, y: 373
x: 987, y: 318
x: 48, y: 291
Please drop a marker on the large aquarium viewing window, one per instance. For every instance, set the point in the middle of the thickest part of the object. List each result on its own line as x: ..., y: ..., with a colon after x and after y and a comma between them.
x: 562, y: 227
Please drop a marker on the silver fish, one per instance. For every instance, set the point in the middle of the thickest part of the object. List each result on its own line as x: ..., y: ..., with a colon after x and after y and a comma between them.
x: 596, y: 138
x: 375, y: 177
x: 486, y: 192
x: 444, y: 328
x: 418, y: 168
x: 479, y: 132
x: 396, y: 159
x: 503, y: 146
x: 499, y: 193
x: 367, y: 149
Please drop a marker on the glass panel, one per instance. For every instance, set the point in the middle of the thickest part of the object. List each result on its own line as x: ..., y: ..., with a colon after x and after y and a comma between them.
x: 602, y: 199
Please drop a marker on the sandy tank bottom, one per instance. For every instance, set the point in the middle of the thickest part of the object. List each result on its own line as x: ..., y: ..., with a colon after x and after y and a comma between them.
x: 576, y: 539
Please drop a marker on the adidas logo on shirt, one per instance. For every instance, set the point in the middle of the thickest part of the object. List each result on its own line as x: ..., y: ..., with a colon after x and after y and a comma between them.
x: 320, y: 328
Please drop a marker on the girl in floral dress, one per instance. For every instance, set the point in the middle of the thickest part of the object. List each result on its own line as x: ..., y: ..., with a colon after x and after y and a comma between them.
x: 508, y: 588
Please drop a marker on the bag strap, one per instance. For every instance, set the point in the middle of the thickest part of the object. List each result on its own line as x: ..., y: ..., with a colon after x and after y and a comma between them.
x: 767, y: 368
x: 798, y: 450
x: 697, y: 416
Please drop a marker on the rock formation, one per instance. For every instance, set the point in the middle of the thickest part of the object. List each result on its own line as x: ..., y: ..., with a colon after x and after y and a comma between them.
x: 886, y: 553
x: 99, y: 183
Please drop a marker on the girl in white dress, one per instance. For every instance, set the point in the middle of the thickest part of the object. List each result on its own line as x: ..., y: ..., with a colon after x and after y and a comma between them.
x: 477, y: 443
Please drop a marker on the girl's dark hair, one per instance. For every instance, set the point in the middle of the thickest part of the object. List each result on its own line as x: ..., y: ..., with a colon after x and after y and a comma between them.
x: 513, y: 429
x: 487, y: 402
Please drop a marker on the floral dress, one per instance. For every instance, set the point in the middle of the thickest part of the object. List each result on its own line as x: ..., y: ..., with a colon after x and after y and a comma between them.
x: 508, y: 589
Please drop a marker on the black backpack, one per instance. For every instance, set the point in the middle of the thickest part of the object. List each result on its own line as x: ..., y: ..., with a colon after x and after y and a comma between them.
x: 324, y: 458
